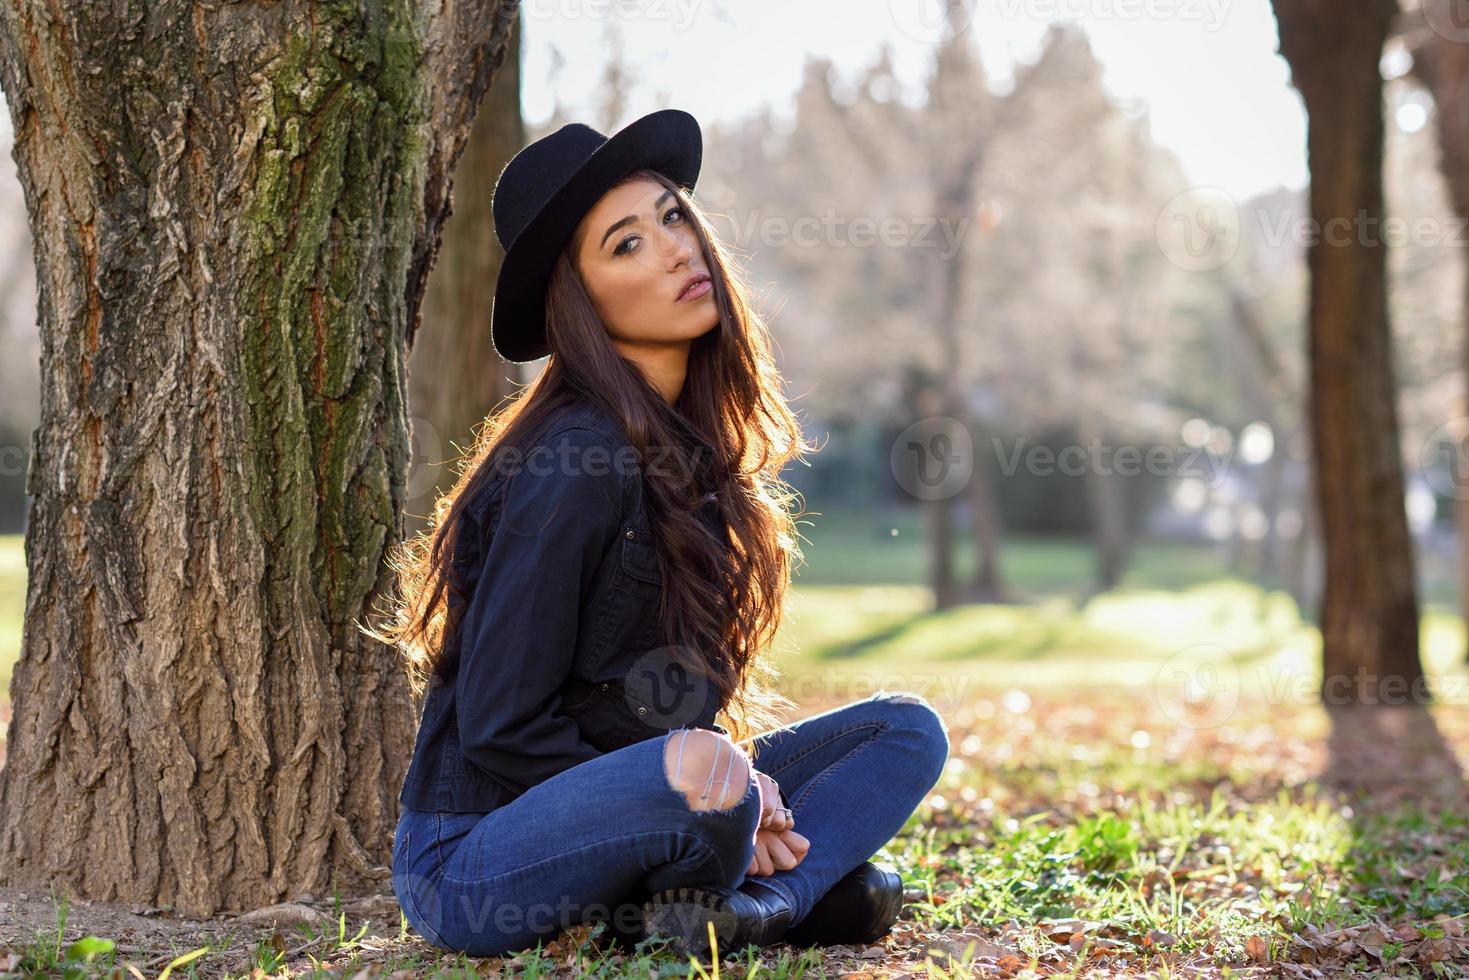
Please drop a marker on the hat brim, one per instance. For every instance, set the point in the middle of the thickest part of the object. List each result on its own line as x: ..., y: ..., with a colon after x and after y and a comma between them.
x: 668, y: 141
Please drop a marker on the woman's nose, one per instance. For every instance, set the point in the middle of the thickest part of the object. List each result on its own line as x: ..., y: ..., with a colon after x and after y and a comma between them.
x: 675, y: 246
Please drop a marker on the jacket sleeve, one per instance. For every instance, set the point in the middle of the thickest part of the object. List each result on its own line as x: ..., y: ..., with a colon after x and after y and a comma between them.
x: 561, y: 511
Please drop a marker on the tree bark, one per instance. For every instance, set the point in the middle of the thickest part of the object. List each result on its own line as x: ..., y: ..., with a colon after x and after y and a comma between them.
x: 1369, y: 617
x: 235, y: 209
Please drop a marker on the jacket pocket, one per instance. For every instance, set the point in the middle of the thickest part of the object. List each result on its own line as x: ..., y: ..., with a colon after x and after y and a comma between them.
x: 609, y: 716
x: 637, y: 565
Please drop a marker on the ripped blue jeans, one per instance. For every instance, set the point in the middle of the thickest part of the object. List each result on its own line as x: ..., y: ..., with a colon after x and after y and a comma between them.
x: 593, y: 842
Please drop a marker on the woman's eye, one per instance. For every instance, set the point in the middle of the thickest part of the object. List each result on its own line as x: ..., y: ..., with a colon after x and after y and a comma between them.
x: 620, y: 249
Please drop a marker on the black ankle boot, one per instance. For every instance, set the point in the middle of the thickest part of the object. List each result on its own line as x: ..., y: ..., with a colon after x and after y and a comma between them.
x: 860, y: 908
x: 752, y: 913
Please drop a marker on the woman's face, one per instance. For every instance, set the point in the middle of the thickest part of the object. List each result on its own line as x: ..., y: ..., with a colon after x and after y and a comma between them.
x: 635, y: 250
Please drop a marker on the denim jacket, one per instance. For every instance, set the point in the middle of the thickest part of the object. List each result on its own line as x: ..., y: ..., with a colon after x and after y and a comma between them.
x: 559, y: 657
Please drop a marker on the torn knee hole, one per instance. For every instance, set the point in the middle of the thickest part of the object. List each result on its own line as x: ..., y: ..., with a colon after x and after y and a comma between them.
x: 707, y: 768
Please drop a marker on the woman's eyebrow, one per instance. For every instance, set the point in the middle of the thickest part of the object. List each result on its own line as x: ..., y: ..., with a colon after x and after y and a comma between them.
x: 632, y: 217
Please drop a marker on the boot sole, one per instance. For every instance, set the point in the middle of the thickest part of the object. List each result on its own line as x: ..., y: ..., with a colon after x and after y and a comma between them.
x: 683, y: 915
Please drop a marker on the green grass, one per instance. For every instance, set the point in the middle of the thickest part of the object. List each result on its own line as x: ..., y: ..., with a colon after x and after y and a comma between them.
x: 847, y: 548
x: 837, y: 639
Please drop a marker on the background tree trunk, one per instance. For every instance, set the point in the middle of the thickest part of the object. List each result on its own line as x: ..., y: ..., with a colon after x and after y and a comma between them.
x: 988, y: 584
x: 235, y: 210
x: 1441, y: 63
x: 1106, y: 497
x: 457, y: 378
x: 1369, y: 619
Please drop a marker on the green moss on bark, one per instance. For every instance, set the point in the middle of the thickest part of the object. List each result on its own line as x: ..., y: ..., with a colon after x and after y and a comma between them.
x: 325, y: 237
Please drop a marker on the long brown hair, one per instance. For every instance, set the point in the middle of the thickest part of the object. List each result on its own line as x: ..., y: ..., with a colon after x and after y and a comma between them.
x: 720, y: 606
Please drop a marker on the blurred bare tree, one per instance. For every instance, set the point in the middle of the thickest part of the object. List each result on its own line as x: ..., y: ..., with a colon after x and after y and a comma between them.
x: 1027, y: 295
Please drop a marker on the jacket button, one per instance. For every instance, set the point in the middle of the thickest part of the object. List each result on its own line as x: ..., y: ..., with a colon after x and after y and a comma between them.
x: 604, y: 687
x: 631, y: 534
x: 642, y: 711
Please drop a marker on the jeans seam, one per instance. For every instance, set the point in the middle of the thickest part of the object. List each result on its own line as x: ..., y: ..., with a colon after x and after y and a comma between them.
x: 432, y: 934
x: 821, y: 776
x: 423, y: 926
x: 821, y: 743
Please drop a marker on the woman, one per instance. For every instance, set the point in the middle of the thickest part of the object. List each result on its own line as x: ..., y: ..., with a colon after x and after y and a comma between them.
x: 600, y: 584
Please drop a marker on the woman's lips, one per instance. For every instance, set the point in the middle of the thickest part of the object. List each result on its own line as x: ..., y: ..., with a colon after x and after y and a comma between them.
x: 697, y: 289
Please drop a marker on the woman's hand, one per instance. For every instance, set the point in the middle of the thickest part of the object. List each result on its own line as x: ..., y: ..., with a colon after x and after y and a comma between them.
x: 776, y: 851
x: 772, y: 815
x: 777, y: 845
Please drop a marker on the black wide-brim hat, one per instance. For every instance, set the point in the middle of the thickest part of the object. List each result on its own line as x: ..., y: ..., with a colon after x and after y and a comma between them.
x: 544, y: 192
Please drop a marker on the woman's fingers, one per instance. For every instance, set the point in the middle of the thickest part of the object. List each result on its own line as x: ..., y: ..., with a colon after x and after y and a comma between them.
x: 771, y: 817
x: 795, y: 843
x: 765, y: 864
x: 777, y: 852
x: 780, y: 820
x: 780, y: 854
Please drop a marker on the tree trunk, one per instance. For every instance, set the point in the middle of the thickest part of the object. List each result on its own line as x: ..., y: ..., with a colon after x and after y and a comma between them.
x: 987, y: 585
x: 954, y: 199
x: 1306, y: 574
x: 235, y: 210
x: 456, y: 377
x: 1441, y: 63
x: 938, y: 525
x: 1106, y: 494
x: 1247, y: 350
x: 1369, y: 618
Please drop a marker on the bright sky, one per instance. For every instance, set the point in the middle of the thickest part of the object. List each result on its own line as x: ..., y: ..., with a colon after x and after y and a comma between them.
x: 1218, y: 93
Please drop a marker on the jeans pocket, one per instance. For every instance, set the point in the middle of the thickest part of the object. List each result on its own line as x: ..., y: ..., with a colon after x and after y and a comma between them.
x: 414, y: 891
x: 400, y: 847
x: 416, y: 919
